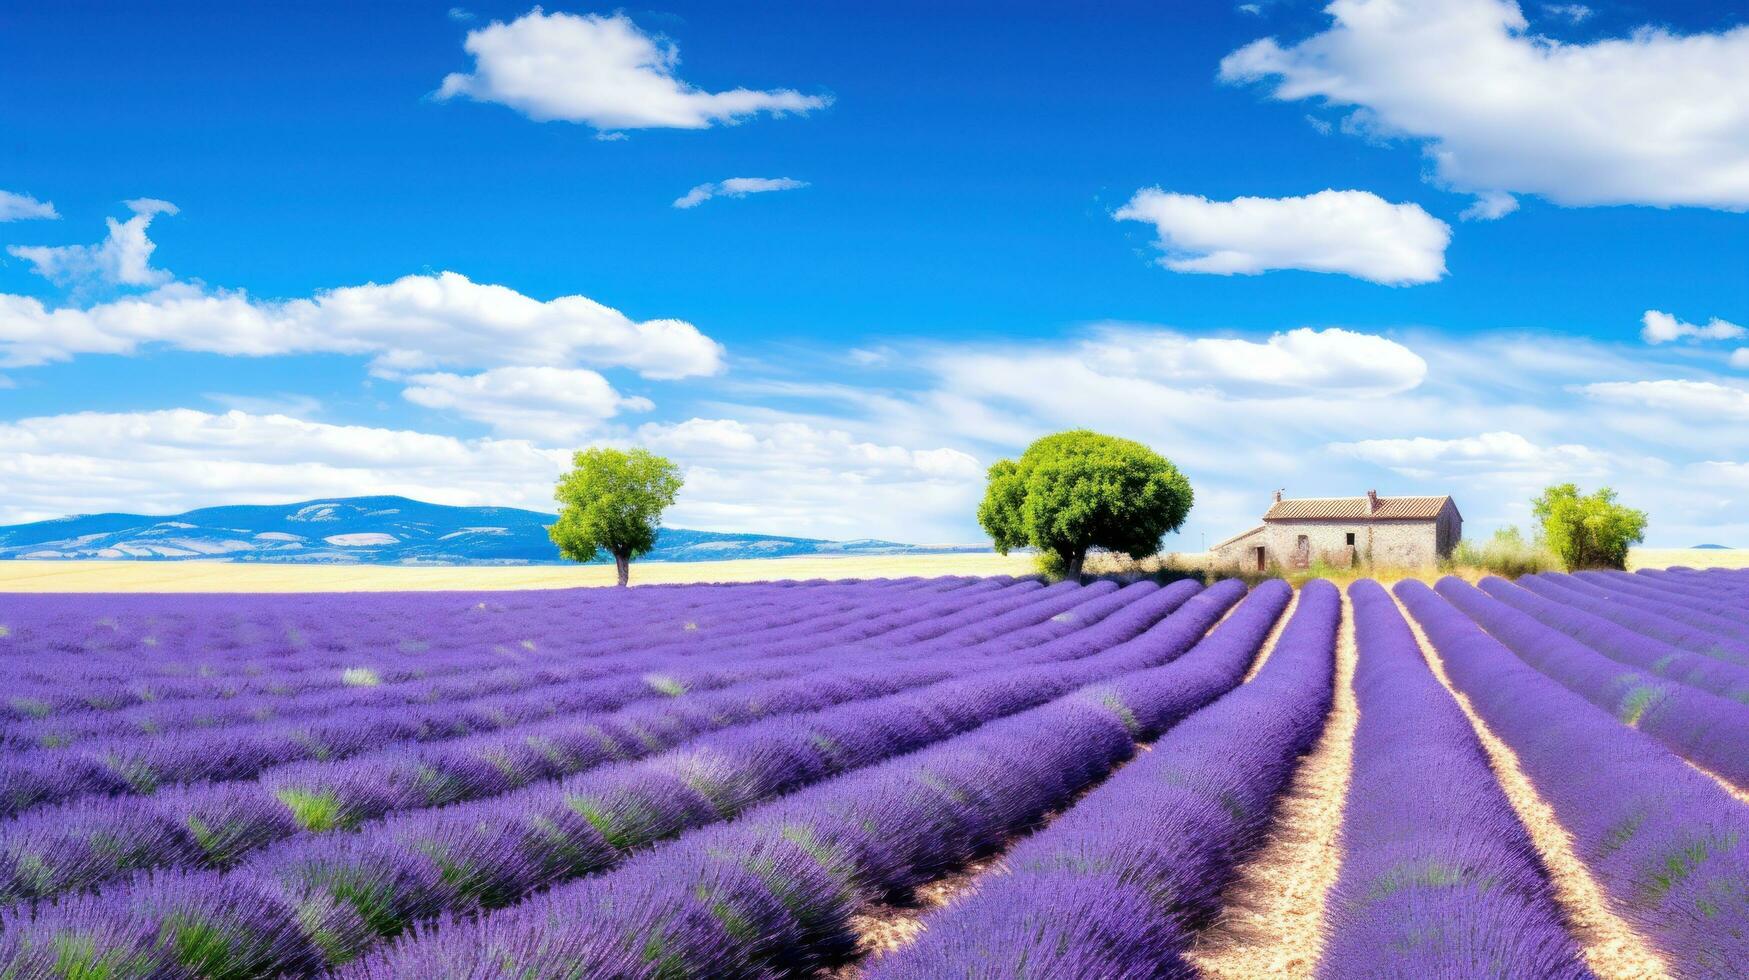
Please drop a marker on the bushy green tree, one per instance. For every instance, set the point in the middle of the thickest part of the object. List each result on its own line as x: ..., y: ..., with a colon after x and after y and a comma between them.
x: 612, y: 501
x: 1078, y: 490
x: 1588, y: 531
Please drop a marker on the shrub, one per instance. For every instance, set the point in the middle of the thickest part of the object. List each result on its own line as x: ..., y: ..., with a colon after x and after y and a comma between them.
x: 1507, y: 553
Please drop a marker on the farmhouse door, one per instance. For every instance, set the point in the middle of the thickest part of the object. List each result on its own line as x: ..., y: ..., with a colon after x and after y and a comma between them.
x: 1303, y: 552
x: 1262, y: 559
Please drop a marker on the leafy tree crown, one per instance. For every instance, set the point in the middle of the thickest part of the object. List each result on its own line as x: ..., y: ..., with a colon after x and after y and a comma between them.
x: 612, y: 500
x: 1588, y: 531
x: 1076, y: 490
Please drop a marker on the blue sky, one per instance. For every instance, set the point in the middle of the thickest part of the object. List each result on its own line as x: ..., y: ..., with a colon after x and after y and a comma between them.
x: 1458, y: 246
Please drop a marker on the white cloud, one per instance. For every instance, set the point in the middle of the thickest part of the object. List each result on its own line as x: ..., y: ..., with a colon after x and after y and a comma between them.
x: 1654, y: 118
x: 1661, y: 328
x: 282, y: 403
x: 123, y: 258
x: 414, y: 323
x: 1487, y: 456
x: 736, y: 187
x: 603, y: 71
x: 1740, y: 357
x: 1490, y: 206
x: 1703, y: 400
x: 1295, y: 362
x: 461, y: 14
x: 1351, y: 232
x: 168, y: 461
x: 555, y: 405
x: 1575, y: 12
x: 21, y: 207
x: 777, y: 478
x: 796, y: 478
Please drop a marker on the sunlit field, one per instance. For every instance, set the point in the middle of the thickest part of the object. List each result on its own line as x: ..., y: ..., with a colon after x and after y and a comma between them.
x: 203, y: 576
x: 892, y: 779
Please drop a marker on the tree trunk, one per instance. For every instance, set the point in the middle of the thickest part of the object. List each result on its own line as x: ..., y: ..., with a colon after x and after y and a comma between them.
x: 1077, y: 558
x: 623, y: 562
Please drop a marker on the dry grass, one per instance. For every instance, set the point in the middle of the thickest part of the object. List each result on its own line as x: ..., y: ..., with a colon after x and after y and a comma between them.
x: 214, y: 576
x: 217, y: 576
x: 1612, y: 949
x: 1197, y: 563
x: 1692, y: 557
x: 1271, y: 918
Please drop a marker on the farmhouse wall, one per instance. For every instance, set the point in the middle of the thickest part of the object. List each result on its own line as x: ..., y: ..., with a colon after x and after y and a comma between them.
x: 1340, y: 542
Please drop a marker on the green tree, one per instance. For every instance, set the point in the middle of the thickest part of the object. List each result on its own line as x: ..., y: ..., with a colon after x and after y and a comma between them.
x: 612, y: 501
x: 1078, y: 490
x: 1588, y: 531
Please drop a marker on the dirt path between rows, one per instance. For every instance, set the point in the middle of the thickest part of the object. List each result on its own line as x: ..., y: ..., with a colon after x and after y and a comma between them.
x: 1612, y: 949
x: 1271, y: 918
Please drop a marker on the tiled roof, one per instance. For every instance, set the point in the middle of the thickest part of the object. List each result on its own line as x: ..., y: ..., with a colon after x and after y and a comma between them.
x: 1357, y: 509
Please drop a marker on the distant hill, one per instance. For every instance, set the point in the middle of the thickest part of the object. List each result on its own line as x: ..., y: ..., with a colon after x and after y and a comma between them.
x: 375, y: 530
x: 1711, y: 547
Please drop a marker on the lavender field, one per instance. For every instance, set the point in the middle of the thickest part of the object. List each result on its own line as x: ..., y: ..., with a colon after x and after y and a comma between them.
x: 901, y: 778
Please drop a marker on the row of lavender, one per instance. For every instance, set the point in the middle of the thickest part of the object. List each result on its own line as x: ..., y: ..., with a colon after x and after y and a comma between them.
x: 1438, y: 874
x: 54, y: 849
x: 791, y: 826
x: 322, y: 898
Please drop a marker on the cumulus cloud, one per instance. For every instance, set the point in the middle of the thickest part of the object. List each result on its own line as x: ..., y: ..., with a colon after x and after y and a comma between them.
x: 603, y: 71
x: 773, y: 477
x: 413, y: 323
x: 1490, y: 206
x: 22, y: 207
x: 1655, y: 118
x: 1575, y: 12
x: 553, y: 405
x: 1294, y: 362
x: 1355, y: 233
x: 1701, y: 400
x: 1487, y: 456
x: 736, y: 187
x: 173, y: 460
x: 1662, y: 328
x: 123, y: 258
x: 815, y: 480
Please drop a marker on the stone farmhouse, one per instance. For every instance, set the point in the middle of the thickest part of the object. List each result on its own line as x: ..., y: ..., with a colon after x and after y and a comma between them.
x: 1399, y: 532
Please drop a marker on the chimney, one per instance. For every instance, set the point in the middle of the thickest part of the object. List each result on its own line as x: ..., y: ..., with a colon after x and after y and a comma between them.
x: 1372, y: 501
x: 1278, y: 496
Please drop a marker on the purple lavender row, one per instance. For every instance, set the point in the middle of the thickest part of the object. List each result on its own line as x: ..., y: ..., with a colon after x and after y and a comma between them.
x: 251, y: 711
x: 66, y: 690
x: 78, y: 846
x: 1701, y: 619
x: 1709, y: 730
x: 1717, y: 582
x: 56, y: 777
x: 144, y: 763
x: 1115, y: 886
x: 347, y: 891
x: 730, y: 609
x: 1438, y: 876
x: 1626, y: 646
x: 254, y: 628
x: 1642, y: 621
x: 773, y: 893
x: 1725, y: 610
x: 73, y: 687
x: 1669, y: 847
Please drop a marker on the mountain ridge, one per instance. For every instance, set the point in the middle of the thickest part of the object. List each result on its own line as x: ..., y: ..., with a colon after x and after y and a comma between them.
x: 383, y: 529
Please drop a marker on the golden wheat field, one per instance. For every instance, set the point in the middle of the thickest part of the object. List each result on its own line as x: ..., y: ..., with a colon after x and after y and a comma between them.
x: 213, y: 576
